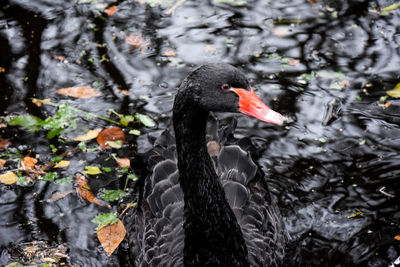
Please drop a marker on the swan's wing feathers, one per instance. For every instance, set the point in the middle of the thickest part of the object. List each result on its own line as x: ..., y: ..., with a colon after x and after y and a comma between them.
x: 258, y: 216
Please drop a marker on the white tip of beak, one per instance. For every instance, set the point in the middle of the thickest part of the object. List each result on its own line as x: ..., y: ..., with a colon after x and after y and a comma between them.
x: 274, y: 117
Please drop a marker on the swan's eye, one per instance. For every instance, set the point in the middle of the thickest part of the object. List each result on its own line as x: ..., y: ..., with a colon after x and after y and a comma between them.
x: 226, y: 87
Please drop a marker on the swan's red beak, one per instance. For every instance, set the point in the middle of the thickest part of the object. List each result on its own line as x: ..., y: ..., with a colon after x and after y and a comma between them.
x: 251, y: 105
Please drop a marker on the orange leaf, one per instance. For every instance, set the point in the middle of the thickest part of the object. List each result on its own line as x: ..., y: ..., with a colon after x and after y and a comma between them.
x: 4, y: 143
x: 397, y: 237
x: 124, y: 162
x: 2, y: 162
x: 37, y: 103
x: 111, y: 10
x: 83, y: 190
x: 78, y: 92
x: 111, y: 236
x: 169, y: 53
x: 124, y: 92
x: 110, y: 134
x: 2, y: 70
x: 29, y: 162
x: 137, y: 41
x: 387, y: 104
x: 59, y: 58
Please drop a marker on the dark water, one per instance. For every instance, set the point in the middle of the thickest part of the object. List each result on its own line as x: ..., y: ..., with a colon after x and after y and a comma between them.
x: 339, y: 154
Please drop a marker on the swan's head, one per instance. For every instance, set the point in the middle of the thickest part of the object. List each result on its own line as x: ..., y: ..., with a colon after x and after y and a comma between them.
x: 222, y: 87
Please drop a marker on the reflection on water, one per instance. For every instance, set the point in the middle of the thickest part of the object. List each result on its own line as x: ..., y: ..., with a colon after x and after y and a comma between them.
x: 324, y: 64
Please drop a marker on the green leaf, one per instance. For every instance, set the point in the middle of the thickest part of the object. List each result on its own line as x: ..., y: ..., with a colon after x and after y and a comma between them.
x: 115, y: 144
x: 145, y: 120
x: 33, y: 123
x: 134, y: 132
x: 105, y: 219
x: 112, y: 195
x: 125, y: 120
x: 92, y: 170
x: 358, y: 213
x: 395, y: 92
x: 56, y: 159
x: 106, y: 169
x: 50, y: 176
x: 132, y: 177
x: 65, y: 180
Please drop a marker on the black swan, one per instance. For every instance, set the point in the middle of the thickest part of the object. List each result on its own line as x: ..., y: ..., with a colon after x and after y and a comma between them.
x: 196, y: 217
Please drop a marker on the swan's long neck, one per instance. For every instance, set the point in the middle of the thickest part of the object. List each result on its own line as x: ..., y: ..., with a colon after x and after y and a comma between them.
x: 212, y: 234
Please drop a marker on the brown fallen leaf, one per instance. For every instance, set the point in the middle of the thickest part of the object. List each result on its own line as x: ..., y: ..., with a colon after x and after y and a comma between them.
x: 2, y: 162
x: 8, y: 177
x: 29, y: 162
x: 169, y: 53
x: 91, y: 134
x: 111, y: 10
x: 83, y: 190
x: 4, y: 143
x: 78, y: 92
x: 137, y: 41
x: 123, y: 162
x: 58, y: 195
x: 2, y: 70
x: 111, y: 236
x: 110, y: 134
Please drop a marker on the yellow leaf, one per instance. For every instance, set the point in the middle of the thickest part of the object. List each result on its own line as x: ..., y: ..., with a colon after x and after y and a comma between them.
x: 111, y: 236
x: 395, y: 92
x: 91, y: 134
x: 8, y: 178
x: 62, y: 164
x: 92, y: 170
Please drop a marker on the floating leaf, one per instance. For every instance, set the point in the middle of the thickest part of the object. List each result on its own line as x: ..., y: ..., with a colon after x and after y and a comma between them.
x: 62, y: 164
x: 4, y: 143
x: 169, y: 53
x: 111, y: 10
x: 92, y: 170
x: 115, y: 144
x: 355, y: 214
x: 110, y: 134
x: 29, y: 162
x: 105, y: 219
x: 65, y: 180
x: 111, y: 236
x: 33, y: 123
x: 58, y: 195
x: 134, y: 132
x: 8, y: 177
x: 78, y: 92
x: 91, y: 134
x: 83, y: 190
x: 395, y: 92
x: 2, y: 162
x: 145, y: 120
x: 125, y: 120
x: 137, y: 41
x: 112, y: 195
x: 123, y: 162
x: 50, y: 176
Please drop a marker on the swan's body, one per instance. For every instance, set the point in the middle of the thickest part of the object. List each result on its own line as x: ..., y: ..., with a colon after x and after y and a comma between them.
x: 202, y: 215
